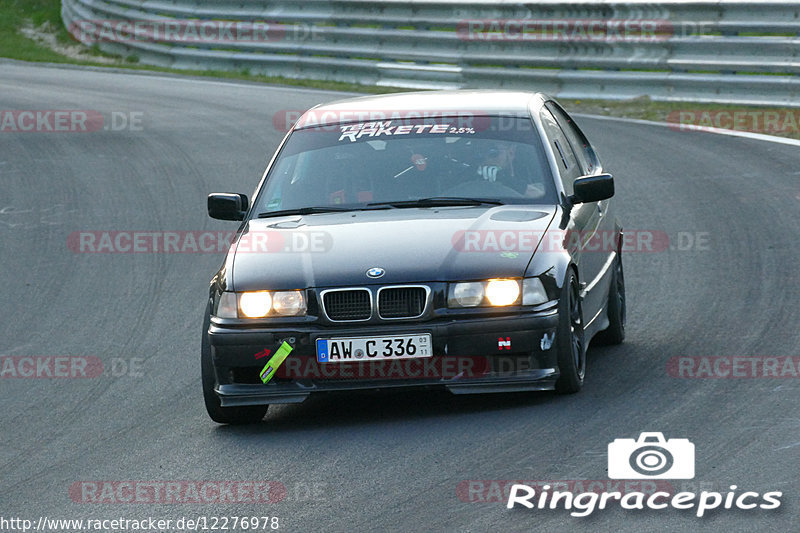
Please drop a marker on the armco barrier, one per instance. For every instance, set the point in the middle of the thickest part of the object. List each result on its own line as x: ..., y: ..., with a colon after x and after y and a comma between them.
x: 704, y: 51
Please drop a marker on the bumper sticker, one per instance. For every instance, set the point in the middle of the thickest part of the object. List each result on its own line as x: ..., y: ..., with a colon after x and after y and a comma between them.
x: 547, y: 340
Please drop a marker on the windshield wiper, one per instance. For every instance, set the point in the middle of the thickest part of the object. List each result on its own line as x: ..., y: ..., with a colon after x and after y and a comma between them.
x: 314, y: 210
x: 301, y: 211
x: 437, y: 201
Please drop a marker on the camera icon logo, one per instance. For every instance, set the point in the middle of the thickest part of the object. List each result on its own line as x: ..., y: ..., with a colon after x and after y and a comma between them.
x: 651, y: 457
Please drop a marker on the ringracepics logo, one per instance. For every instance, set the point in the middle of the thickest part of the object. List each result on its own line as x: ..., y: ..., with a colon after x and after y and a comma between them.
x: 648, y: 457
x: 651, y: 457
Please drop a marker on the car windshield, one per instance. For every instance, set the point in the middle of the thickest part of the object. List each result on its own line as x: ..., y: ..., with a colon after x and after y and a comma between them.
x: 409, y: 163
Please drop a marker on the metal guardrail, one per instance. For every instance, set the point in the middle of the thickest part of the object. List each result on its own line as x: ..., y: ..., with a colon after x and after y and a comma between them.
x: 706, y: 51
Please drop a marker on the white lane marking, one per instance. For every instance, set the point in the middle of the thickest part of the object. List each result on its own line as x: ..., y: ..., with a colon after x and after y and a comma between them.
x: 180, y: 78
x: 183, y: 78
x: 692, y: 127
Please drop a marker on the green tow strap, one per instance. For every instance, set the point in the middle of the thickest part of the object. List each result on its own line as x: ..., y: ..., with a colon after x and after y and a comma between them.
x: 275, y: 361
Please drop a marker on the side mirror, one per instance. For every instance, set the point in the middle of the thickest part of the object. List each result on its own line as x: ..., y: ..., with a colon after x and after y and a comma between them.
x: 227, y: 206
x: 592, y: 188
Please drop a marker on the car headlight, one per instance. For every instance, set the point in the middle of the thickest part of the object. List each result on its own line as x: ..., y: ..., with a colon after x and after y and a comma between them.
x: 289, y: 303
x: 259, y: 304
x: 502, y: 292
x: 226, y: 306
x: 497, y: 293
x: 493, y: 293
x: 468, y: 294
x: 255, y: 304
x: 533, y: 292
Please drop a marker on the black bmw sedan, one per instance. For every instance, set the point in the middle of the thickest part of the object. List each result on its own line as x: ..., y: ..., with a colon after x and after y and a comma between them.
x: 456, y: 239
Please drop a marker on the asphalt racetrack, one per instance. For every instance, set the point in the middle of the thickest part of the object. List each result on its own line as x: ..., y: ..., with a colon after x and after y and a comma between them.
x: 727, y: 286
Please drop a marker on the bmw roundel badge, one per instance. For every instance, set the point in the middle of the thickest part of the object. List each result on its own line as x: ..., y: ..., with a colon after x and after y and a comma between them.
x: 375, y: 272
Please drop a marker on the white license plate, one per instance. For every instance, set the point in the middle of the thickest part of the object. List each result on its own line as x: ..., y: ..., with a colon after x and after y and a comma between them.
x: 354, y: 349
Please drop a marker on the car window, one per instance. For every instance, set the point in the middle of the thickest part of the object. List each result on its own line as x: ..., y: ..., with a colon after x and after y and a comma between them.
x: 354, y: 164
x: 568, y: 165
x: 580, y: 145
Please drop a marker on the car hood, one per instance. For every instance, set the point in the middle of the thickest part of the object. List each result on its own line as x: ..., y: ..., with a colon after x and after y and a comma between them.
x: 410, y: 245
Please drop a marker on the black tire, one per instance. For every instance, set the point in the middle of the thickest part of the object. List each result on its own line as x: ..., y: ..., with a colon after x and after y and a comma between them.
x: 249, y: 414
x: 570, y: 338
x: 617, y: 308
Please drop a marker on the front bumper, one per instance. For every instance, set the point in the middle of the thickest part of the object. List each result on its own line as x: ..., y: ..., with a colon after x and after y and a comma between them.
x: 472, y: 355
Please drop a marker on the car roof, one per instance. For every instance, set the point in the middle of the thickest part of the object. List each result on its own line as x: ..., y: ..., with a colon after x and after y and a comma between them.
x: 422, y: 104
